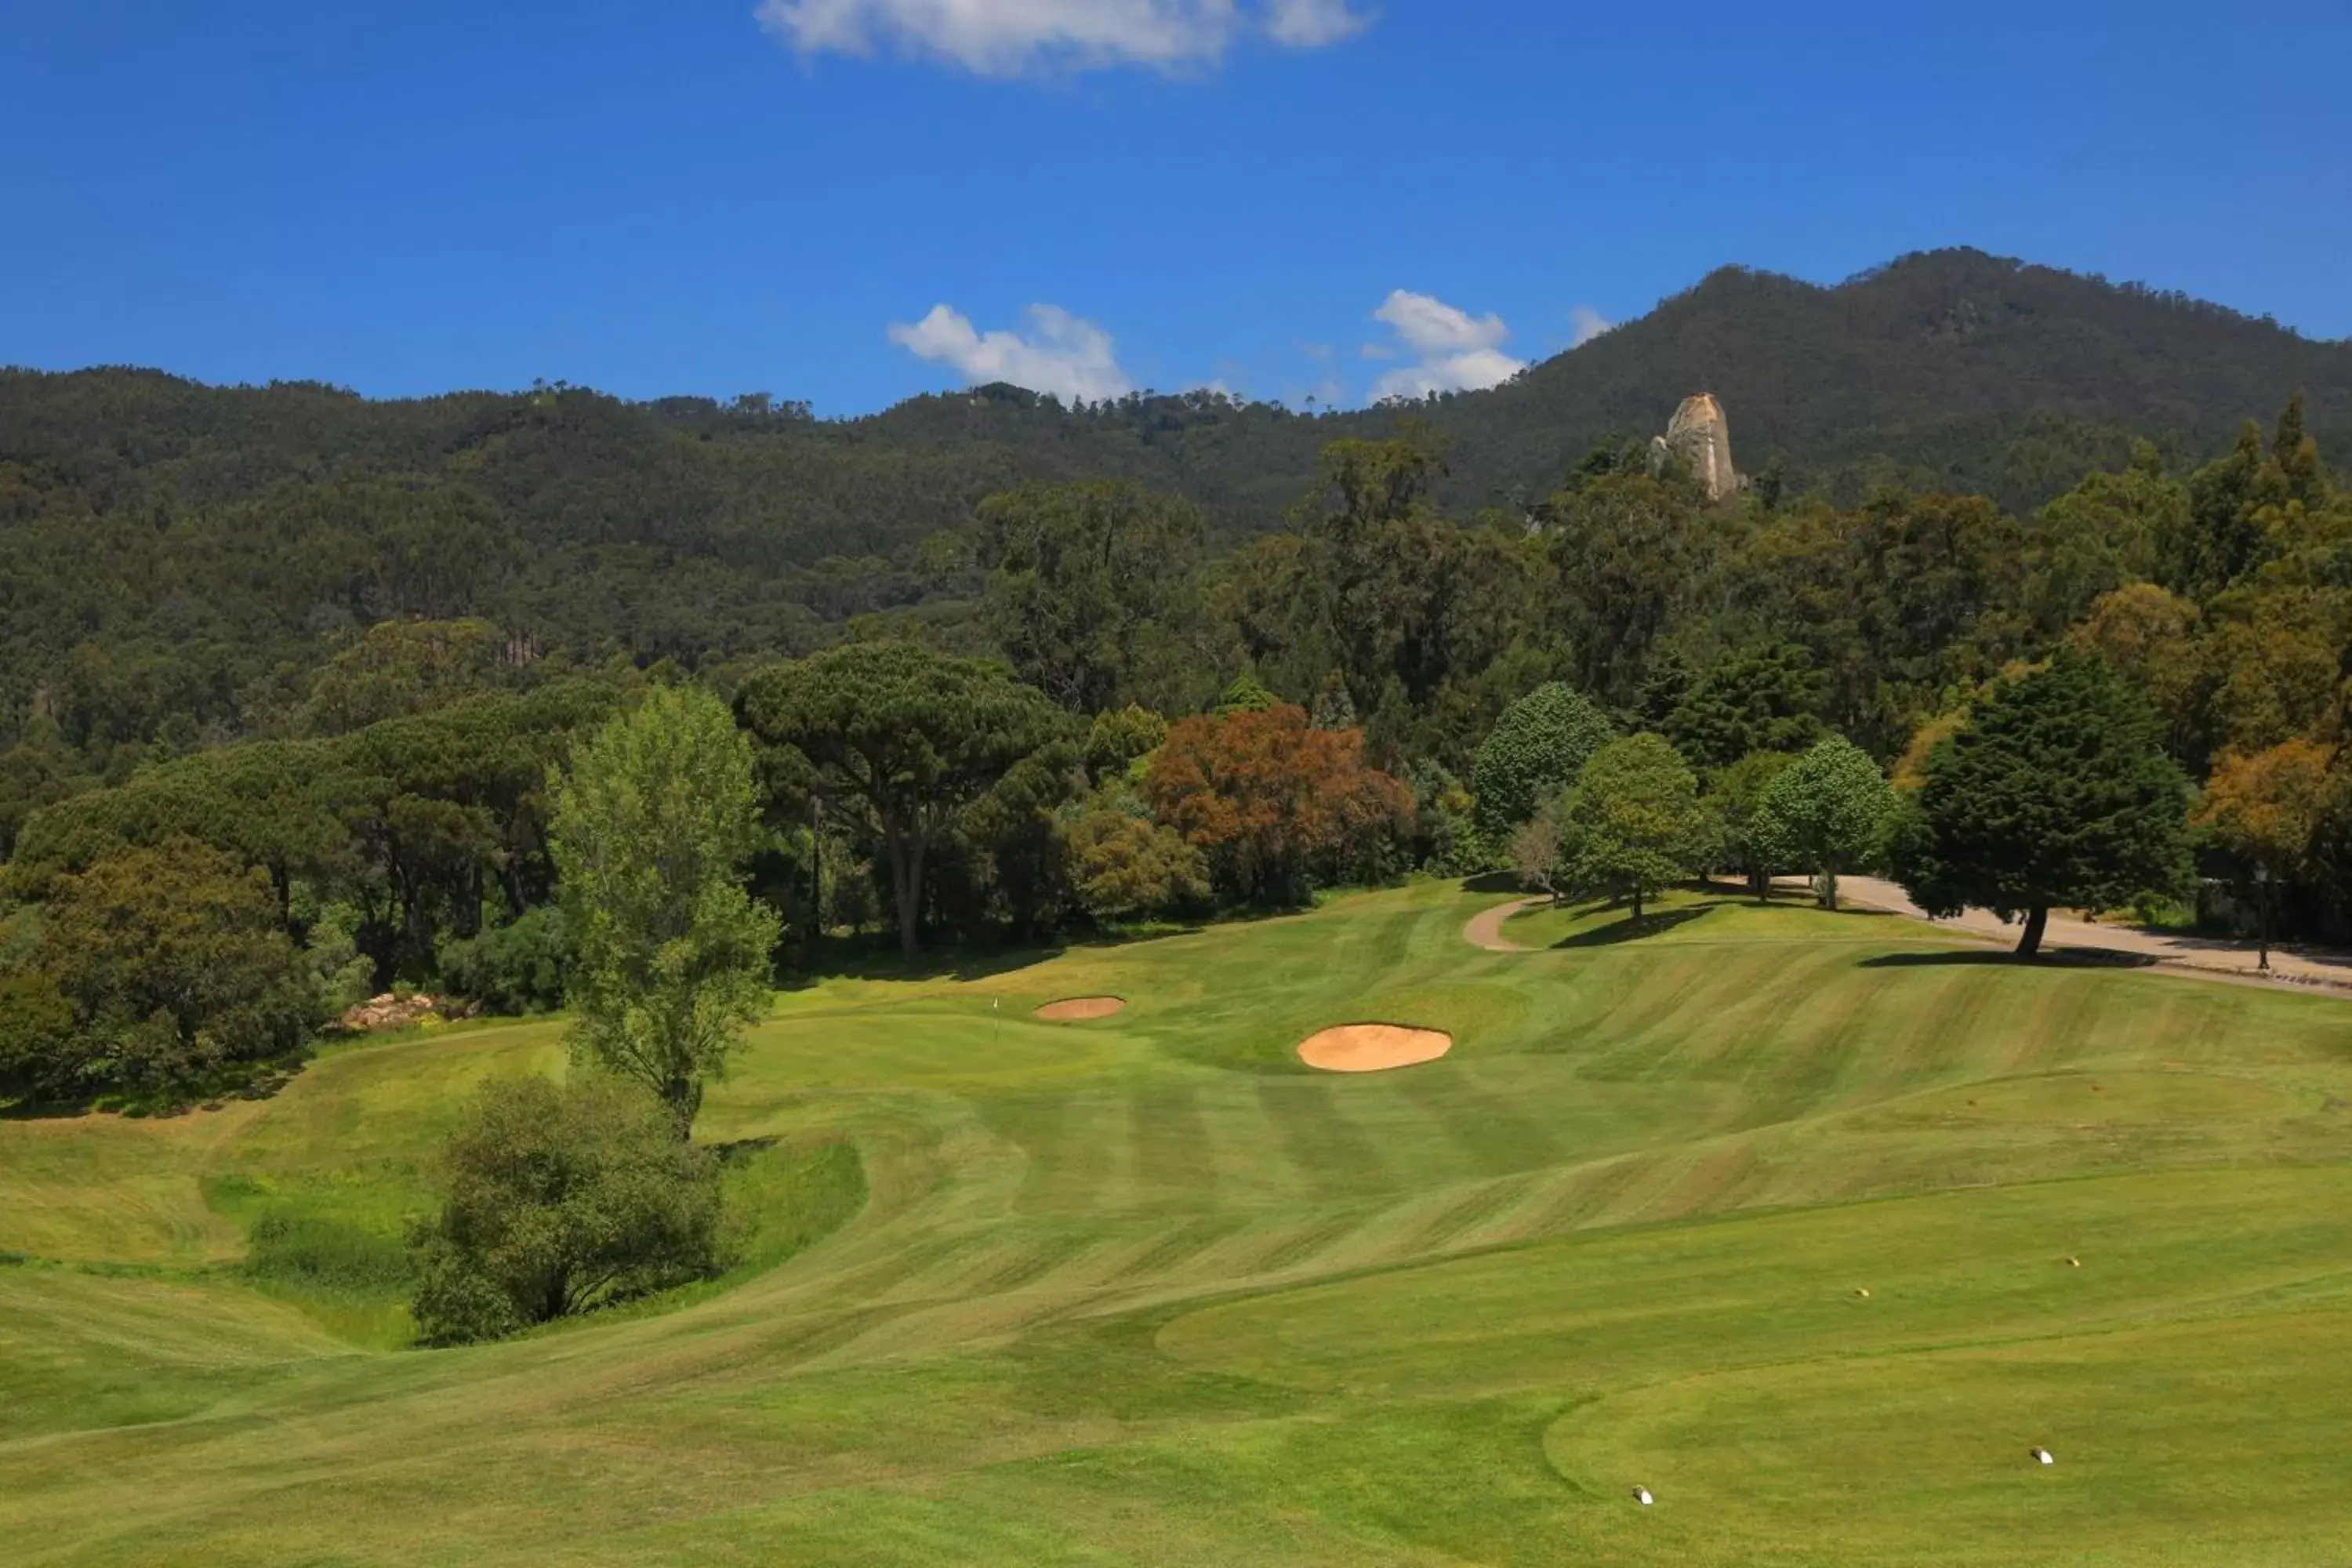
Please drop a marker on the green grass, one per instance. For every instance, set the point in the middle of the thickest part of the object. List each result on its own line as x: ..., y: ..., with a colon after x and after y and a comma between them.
x: 1145, y: 1288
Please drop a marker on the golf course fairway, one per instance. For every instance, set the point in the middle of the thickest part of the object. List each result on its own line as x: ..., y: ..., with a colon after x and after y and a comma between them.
x: 1811, y: 1224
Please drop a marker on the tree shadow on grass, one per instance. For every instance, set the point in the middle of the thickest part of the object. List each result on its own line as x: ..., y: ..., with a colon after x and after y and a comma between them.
x: 2062, y: 958
x: 260, y: 1079
x: 1636, y: 929
x: 1493, y: 882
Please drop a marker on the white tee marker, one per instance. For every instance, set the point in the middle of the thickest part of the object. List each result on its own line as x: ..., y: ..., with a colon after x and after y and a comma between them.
x: 1642, y: 1496
x: 2040, y: 1456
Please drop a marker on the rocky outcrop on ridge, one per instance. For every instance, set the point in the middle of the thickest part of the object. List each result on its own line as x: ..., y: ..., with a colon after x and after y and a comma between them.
x: 1700, y: 436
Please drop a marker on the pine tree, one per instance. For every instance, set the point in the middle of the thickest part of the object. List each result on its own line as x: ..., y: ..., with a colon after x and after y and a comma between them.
x: 2056, y: 793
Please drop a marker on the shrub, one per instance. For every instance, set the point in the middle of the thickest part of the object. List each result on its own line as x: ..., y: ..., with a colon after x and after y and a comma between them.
x: 1126, y: 866
x: 524, y: 966
x: 559, y: 1201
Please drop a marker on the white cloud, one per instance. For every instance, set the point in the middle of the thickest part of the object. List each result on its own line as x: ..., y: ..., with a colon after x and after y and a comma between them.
x: 1009, y: 38
x: 1455, y: 350
x: 1585, y: 323
x: 1063, y: 354
x: 1311, y: 24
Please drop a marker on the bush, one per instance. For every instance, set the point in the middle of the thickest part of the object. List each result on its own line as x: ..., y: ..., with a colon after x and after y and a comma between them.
x: 525, y: 966
x: 1126, y: 866
x: 559, y: 1201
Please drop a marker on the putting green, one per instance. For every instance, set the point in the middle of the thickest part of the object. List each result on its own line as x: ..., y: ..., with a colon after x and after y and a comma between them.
x: 1151, y: 1290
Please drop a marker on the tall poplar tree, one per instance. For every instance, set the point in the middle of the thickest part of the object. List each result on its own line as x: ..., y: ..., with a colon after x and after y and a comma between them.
x: 651, y: 829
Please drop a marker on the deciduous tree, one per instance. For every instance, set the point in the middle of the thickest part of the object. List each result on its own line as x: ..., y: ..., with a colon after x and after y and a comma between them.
x: 1091, y: 591
x: 1275, y: 803
x: 1828, y: 811
x: 652, y: 826
x: 176, y: 967
x: 1750, y: 838
x: 1633, y: 826
x: 2266, y: 807
x: 1126, y: 866
x: 1534, y: 752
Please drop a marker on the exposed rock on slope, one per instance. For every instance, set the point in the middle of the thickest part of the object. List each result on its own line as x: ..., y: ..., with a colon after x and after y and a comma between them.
x: 1701, y: 436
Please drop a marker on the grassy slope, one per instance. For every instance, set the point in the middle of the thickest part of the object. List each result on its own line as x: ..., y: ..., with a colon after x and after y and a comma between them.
x: 1145, y: 1290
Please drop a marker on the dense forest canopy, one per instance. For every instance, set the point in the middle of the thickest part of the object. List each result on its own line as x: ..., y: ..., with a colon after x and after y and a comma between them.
x: 320, y: 653
x: 243, y: 529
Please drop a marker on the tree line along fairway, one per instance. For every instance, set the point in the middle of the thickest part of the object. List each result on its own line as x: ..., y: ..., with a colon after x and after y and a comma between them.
x: 1145, y: 1288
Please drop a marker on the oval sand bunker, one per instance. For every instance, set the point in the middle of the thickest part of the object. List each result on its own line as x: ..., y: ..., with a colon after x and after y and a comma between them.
x: 1077, y: 1009
x: 1373, y: 1048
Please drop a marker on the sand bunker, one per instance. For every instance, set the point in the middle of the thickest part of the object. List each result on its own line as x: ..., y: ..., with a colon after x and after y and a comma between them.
x: 1373, y: 1048
x: 1075, y: 1009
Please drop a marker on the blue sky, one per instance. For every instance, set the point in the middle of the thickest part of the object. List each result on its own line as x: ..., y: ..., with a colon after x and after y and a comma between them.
x: 1282, y: 197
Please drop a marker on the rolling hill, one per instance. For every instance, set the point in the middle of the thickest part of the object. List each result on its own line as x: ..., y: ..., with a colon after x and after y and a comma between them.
x: 1810, y: 1223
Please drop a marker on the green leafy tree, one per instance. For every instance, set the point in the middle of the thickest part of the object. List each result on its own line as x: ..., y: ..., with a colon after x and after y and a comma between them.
x: 36, y: 1029
x: 902, y: 739
x: 176, y: 968
x: 2056, y: 792
x: 1624, y: 547
x: 557, y: 1201
x: 1768, y: 699
x: 1128, y: 867
x: 262, y: 804
x: 1634, y: 825
x: 1751, y: 841
x: 651, y: 829
x: 1091, y: 591
x: 400, y: 667
x: 1015, y: 844
x: 1535, y: 751
x: 1246, y: 694
x: 1121, y: 737
x: 2266, y: 808
x: 1828, y: 812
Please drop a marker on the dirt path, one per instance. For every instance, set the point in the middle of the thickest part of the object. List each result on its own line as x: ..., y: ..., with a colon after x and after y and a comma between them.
x: 1485, y: 929
x: 2178, y: 951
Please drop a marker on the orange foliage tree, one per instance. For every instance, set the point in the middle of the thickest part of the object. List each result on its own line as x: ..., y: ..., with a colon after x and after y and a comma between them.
x: 2266, y: 806
x: 1276, y: 804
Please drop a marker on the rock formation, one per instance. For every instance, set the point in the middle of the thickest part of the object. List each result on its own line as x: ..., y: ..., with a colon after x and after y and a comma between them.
x: 1701, y: 436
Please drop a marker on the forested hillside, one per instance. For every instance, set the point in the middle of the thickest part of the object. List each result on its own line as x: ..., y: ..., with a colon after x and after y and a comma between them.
x: 183, y: 566
x: 139, y: 506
